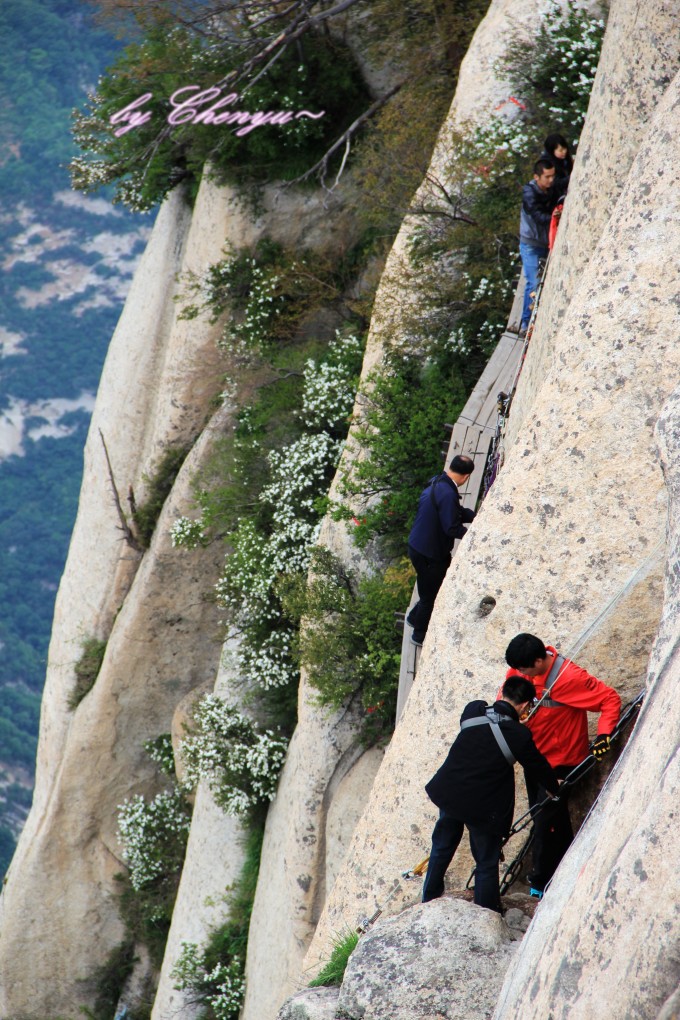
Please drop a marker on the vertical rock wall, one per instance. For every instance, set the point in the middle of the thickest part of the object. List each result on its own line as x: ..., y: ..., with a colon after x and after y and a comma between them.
x: 160, y: 378
x: 608, y: 930
x: 579, y: 505
x: 294, y: 854
x: 640, y: 56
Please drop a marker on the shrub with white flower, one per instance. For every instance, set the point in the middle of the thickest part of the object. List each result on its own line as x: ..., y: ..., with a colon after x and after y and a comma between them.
x: 153, y: 835
x: 299, y: 473
x: 567, y: 53
x: 329, y: 386
x: 186, y: 533
x: 160, y: 750
x: 240, y: 763
x: 269, y: 664
x: 220, y: 987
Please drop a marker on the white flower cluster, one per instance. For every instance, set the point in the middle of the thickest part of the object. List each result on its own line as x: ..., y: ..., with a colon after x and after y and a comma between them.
x: 222, y: 988
x: 299, y: 474
x: 270, y: 664
x: 227, y: 999
x: 263, y: 305
x: 329, y: 387
x: 251, y: 570
x: 240, y: 764
x: 249, y: 575
x: 492, y: 152
x: 458, y: 341
x: 575, y: 34
x: 186, y: 533
x: 152, y: 835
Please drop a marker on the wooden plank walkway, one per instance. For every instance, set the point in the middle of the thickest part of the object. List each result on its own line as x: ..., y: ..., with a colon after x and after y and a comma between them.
x: 472, y: 435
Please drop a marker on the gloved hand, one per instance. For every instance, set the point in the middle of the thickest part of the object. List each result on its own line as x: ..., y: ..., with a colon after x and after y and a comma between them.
x: 600, y: 746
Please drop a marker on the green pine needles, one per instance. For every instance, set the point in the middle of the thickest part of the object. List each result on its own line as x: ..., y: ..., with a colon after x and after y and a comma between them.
x: 145, y: 161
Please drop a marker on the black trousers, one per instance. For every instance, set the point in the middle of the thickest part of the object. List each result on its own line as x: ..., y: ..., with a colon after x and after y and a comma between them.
x: 553, y: 833
x: 486, y: 850
x: 430, y: 575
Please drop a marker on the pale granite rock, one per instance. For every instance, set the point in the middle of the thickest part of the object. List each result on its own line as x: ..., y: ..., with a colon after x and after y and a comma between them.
x: 608, y: 930
x: 564, y: 528
x: 311, y: 1004
x: 416, y: 966
x: 640, y: 57
x: 346, y: 808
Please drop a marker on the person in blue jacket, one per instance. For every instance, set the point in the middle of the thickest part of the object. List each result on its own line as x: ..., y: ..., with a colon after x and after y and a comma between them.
x: 538, y: 201
x: 440, y: 519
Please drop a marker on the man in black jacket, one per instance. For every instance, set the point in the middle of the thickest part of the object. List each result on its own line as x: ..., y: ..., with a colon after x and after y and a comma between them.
x: 440, y: 519
x: 539, y: 198
x: 475, y: 787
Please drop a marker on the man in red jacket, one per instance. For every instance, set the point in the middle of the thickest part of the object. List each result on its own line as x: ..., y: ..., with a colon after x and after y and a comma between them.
x: 566, y: 693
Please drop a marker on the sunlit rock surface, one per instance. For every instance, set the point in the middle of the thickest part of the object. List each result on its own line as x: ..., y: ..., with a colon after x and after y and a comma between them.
x: 565, y: 527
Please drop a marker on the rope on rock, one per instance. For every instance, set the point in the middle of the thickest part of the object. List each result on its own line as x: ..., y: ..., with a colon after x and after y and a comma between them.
x: 512, y: 871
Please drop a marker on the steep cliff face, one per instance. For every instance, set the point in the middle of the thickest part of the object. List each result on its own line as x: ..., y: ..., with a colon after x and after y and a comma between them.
x: 576, y: 516
x: 294, y: 858
x: 561, y: 533
x: 161, y: 375
x: 608, y: 931
x: 640, y: 56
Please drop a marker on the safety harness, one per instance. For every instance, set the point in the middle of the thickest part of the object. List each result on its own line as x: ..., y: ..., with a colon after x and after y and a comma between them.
x: 492, y: 717
x: 545, y: 701
x: 513, y: 870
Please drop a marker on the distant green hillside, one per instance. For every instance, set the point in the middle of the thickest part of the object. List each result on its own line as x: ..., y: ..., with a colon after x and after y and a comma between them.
x: 51, y: 53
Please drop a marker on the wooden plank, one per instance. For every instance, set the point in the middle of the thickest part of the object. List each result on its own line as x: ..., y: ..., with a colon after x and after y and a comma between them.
x: 472, y: 435
x: 515, y: 319
x: 487, y: 380
x: 410, y: 654
x: 457, y: 443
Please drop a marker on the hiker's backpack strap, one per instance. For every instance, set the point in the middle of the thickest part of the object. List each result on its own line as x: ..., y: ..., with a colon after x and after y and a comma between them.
x: 493, y: 719
x: 547, y: 702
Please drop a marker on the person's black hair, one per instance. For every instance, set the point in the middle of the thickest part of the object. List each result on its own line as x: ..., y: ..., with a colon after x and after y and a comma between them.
x: 462, y: 465
x: 517, y: 690
x: 543, y: 164
x: 552, y: 141
x: 523, y: 650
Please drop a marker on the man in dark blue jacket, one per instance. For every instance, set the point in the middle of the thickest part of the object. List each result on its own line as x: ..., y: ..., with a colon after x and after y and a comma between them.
x: 475, y: 787
x: 440, y: 519
x: 538, y: 201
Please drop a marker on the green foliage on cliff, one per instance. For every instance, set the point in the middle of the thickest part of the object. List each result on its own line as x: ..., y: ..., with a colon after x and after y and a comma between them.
x: 264, y: 489
x: 148, y: 160
x: 334, y: 971
x: 87, y: 670
x: 349, y: 645
x: 159, y: 484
